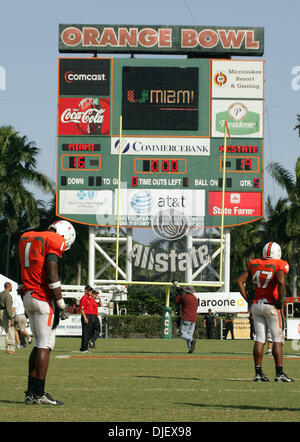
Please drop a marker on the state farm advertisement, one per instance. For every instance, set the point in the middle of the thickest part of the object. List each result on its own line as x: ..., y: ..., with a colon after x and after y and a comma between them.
x: 83, y: 116
x: 235, y: 204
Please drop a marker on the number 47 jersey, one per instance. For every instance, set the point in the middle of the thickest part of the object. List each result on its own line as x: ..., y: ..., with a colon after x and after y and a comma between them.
x: 33, y: 250
x: 263, y: 273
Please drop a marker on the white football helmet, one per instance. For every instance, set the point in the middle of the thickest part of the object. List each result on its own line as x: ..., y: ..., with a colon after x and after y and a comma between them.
x: 65, y: 229
x: 272, y: 250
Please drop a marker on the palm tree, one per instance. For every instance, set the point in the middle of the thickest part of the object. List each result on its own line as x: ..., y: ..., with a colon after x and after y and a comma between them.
x: 245, y: 244
x: 18, y: 169
x: 297, y: 127
x: 291, y: 185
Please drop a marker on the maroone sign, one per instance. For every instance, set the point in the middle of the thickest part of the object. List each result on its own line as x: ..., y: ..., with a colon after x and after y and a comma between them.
x: 228, y: 302
x: 214, y: 40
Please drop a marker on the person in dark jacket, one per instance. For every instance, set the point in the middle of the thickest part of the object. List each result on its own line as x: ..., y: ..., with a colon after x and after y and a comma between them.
x: 229, y: 325
x: 188, y: 302
x: 209, y: 324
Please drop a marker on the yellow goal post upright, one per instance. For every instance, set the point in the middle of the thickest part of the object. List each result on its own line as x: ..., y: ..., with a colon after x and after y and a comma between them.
x: 216, y: 284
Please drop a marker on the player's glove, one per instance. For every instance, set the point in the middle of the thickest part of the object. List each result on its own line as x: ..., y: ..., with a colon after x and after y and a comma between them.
x: 64, y: 314
x: 175, y: 283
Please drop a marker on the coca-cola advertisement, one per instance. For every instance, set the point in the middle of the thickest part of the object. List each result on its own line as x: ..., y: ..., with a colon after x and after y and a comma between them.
x: 83, y: 116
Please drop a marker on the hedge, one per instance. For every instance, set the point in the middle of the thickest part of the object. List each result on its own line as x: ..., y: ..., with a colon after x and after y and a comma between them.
x: 150, y: 326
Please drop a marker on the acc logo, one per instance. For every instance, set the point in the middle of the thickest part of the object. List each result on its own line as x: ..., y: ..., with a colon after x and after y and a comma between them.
x: 220, y: 79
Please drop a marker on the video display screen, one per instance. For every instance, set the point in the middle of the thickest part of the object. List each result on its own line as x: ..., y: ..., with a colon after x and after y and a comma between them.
x: 160, y: 98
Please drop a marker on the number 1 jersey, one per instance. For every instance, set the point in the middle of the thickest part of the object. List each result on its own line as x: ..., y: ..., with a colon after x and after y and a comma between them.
x: 33, y: 250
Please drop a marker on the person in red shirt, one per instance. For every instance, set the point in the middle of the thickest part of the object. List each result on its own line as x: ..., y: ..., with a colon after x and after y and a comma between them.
x: 96, y: 327
x: 268, y: 277
x: 87, y: 310
x: 38, y: 254
x: 188, y: 310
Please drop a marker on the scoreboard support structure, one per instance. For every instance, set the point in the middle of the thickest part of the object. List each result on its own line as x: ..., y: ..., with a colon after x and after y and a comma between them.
x: 96, y: 241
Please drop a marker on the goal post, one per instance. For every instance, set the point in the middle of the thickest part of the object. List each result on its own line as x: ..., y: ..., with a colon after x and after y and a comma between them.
x: 217, y: 284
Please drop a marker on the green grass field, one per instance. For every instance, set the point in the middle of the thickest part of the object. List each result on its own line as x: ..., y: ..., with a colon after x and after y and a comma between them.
x: 153, y: 380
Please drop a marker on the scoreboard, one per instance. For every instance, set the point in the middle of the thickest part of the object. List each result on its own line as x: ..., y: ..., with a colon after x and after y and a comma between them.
x: 172, y: 140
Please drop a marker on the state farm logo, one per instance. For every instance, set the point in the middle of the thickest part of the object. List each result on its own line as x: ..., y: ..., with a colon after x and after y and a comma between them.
x: 235, y: 198
x: 71, y: 77
x: 83, y: 116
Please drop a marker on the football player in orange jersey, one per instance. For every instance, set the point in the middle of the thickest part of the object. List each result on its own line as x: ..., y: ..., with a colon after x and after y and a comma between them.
x: 268, y: 276
x: 39, y: 253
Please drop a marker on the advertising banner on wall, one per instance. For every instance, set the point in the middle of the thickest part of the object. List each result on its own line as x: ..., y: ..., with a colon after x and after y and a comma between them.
x: 237, y: 80
x: 293, y: 328
x: 231, y: 302
x: 83, y: 116
x: 77, y: 77
x: 244, y: 118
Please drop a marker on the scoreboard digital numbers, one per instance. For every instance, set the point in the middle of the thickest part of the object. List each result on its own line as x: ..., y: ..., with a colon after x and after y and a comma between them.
x: 172, y: 145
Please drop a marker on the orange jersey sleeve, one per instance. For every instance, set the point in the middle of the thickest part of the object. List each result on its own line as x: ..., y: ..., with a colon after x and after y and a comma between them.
x: 34, y: 247
x: 263, y: 273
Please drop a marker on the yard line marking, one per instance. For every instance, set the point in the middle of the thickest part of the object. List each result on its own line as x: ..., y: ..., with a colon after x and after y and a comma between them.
x: 93, y: 356
x: 150, y: 357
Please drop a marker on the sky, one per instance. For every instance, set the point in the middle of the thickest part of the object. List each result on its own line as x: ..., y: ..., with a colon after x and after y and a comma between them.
x: 29, y: 55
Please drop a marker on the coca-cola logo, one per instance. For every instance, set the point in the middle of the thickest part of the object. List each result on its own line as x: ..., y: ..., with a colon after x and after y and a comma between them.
x: 84, y: 116
x: 89, y: 116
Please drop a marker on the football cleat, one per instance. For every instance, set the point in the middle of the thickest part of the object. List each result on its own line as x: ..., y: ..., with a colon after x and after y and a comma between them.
x: 192, y: 348
x: 28, y: 398
x: 46, y: 399
x: 260, y: 378
x: 283, y: 378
